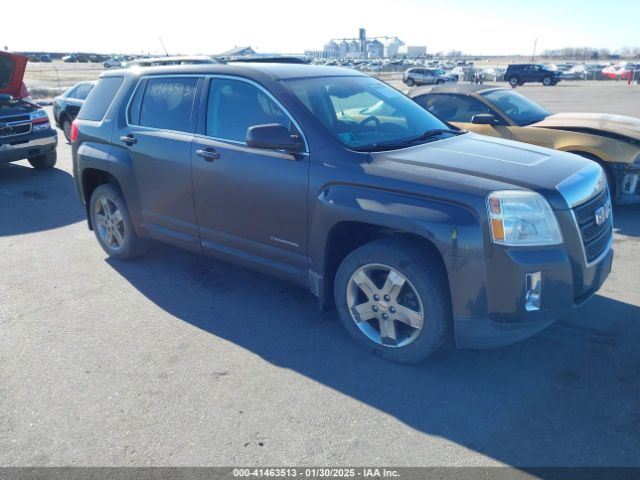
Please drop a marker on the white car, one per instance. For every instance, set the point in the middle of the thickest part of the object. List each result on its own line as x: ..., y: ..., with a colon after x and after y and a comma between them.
x: 113, y: 62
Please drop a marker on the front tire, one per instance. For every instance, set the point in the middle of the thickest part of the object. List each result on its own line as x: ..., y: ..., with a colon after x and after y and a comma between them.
x: 112, y: 224
x: 44, y: 161
x: 392, y: 296
x: 547, y: 81
x: 410, y: 82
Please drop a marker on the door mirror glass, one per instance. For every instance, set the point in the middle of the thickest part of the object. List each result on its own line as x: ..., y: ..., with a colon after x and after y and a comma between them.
x: 484, y: 119
x: 272, y: 136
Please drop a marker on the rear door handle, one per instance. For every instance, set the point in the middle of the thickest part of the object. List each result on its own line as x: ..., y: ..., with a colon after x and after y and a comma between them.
x: 128, y: 139
x: 209, y: 154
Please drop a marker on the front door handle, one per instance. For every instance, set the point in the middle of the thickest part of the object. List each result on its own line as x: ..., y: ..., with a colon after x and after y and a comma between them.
x: 209, y: 154
x: 128, y: 139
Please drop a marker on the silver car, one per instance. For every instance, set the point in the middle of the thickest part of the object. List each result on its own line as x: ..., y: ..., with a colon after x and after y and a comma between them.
x: 426, y: 76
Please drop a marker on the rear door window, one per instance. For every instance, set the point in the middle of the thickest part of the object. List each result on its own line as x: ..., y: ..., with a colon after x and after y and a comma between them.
x: 100, y: 98
x: 168, y: 103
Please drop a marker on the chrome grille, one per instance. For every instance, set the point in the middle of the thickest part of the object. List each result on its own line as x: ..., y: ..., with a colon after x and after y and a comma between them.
x: 15, y: 119
x: 595, y: 238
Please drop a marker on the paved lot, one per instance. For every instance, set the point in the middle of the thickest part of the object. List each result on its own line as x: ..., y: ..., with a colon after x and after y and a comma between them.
x: 176, y: 359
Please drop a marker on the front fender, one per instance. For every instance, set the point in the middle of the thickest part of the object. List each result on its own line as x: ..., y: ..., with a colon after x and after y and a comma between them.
x: 455, y: 230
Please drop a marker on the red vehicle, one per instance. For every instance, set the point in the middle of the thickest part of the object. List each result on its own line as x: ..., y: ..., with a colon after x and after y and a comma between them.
x: 622, y: 71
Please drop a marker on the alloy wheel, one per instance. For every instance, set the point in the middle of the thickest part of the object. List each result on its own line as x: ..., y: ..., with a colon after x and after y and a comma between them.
x: 385, y: 305
x: 110, y: 223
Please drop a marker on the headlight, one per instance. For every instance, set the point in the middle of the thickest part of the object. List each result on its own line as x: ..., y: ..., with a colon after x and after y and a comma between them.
x: 520, y: 218
x: 37, y: 115
x: 40, y: 120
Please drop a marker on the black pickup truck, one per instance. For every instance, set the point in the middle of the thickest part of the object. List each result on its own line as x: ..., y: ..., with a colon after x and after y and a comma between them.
x: 339, y: 183
x: 25, y: 129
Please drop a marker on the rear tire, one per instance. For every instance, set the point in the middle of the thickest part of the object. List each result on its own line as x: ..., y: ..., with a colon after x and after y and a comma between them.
x: 513, y: 81
x: 112, y: 224
x: 66, y: 128
x: 44, y: 161
x: 403, y: 281
x: 410, y: 82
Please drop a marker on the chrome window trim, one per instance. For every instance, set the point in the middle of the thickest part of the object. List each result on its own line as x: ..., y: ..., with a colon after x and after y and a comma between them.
x: 194, y: 110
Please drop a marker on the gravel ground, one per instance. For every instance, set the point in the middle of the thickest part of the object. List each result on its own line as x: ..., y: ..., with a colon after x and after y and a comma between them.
x: 176, y: 359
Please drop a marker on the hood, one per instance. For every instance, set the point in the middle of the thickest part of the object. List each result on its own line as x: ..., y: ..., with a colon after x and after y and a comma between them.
x: 12, y: 69
x: 616, y: 124
x: 479, y: 164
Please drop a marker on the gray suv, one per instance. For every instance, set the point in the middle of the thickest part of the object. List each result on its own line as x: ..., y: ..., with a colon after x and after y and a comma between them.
x: 427, y: 76
x: 341, y: 184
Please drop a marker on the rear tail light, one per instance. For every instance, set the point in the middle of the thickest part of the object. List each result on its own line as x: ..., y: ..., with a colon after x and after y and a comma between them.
x: 74, y: 131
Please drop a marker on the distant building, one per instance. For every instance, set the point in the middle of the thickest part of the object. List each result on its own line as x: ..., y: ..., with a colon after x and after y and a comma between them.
x: 354, y: 49
x: 375, y: 49
x: 412, y: 51
x: 331, y: 49
x: 238, y: 52
x: 391, y: 47
x: 343, y: 49
x: 362, y: 47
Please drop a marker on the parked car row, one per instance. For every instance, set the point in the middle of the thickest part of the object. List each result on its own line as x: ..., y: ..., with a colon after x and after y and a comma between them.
x: 44, y: 58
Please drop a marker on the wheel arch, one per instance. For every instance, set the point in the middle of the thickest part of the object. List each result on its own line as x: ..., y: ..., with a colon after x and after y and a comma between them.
x: 100, y: 163
x: 346, y: 225
x: 346, y: 236
x: 92, y: 178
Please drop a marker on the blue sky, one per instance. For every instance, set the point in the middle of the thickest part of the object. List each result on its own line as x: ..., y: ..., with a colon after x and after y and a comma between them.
x: 493, y: 27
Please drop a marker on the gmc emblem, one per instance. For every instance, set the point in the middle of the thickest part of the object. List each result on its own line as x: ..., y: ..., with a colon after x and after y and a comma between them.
x: 603, y: 213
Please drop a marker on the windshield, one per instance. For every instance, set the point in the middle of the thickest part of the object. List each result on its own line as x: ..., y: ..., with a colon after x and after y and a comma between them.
x: 520, y: 109
x: 363, y: 113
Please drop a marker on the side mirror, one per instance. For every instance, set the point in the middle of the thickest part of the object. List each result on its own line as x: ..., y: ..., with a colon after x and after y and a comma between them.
x: 484, y: 119
x: 273, y: 136
x: 6, y: 100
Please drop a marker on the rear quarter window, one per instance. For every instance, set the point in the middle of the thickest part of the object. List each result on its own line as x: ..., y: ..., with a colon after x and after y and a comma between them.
x: 100, y: 98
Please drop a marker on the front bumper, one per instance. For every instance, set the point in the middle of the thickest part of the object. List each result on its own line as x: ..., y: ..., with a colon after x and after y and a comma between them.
x: 497, y: 313
x: 35, y: 143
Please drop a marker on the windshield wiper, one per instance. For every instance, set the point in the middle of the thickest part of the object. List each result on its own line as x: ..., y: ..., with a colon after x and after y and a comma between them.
x: 377, y: 147
x: 434, y: 133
